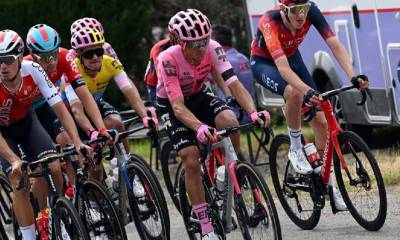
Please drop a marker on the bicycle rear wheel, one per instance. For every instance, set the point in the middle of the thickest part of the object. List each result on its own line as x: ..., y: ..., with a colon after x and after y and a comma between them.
x: 362, y: 185
x: 99, y: 213
x: 170, y: 165
x: 192, y: 225
x: 148, y: 213
x: 6, y: 213
x: 292, y: 189
x: 255, y: 208
x: 66, y: 221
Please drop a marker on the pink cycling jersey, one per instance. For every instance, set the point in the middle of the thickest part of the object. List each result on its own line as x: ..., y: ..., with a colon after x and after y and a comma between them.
x: 177, y: 77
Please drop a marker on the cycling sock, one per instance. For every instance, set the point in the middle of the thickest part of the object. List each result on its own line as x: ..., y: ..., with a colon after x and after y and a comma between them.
x: 201, y: 212
x: 295, y: 138
x: 28, y: 232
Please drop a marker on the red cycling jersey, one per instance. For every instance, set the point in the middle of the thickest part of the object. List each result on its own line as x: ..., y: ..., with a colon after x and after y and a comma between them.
x: 14, y: 106
x: 274, y: 39
x: 150, y: 76
x: 65, y: 66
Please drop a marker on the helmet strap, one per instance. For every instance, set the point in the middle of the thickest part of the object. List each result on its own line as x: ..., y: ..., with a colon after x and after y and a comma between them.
x: 16, y: 75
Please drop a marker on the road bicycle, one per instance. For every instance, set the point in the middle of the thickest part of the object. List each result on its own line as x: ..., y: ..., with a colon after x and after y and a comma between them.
x: 244, y: 190
x: 64, y: 220
x: 148, y: 211
x: 357, y: 173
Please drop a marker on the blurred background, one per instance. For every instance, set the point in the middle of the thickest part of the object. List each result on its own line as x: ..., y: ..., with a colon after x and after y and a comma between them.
x: 131, y: 26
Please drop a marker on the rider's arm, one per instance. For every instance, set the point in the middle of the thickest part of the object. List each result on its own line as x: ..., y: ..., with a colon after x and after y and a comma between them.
x: 242, y: 96
x: 184, y: 115
x: 80, y: 116
x: 88, y: 102
x: 220, y: 83
x: 131, y: 93
x: 289, y: 75
x: 6, y: 152
x: 341, y: 55
x: 67, y: 122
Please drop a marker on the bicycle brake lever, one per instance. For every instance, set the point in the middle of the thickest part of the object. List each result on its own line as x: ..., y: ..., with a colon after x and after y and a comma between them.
x: 364, y: 98
x: 111, y: 154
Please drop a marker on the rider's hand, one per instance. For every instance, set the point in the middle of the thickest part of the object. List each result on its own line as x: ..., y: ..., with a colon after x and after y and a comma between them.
x: 151, y: 117
x: 205, y: 133
x: 311, y: 98
x: 93, y: 135
x: 263, y: 118
x: 16, y: 168
x: 112, y: 138
x: 82, y: 157
x: 361, y: 82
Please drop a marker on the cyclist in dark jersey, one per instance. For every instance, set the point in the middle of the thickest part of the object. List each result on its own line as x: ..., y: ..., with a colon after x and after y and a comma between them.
x: 278, y: 66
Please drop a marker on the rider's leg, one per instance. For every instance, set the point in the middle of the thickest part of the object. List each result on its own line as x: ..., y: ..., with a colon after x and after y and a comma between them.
x: 63, y: 139
x: 194, y: 186
x: 320, y: 129
x: 294, y: 101
x: 23, y: 209
x: 227, y: 118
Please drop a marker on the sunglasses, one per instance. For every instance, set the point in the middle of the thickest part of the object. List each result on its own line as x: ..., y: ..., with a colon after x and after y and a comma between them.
x: 47, y: 57
x: 297, y: 9
x: 88, y: 54
x: 8, y: 59
x: 198, y: 44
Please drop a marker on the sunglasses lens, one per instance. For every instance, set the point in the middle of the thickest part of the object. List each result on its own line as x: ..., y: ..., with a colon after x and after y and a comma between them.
x: 47, y: 57
x: 90, y: 53
x: 300, y: 9
x: 7, y: 59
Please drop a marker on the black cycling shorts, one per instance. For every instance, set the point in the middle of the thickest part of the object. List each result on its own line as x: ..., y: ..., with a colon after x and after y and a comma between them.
x: 32, y: 137
x: 204, y: 105
x: 47, y: 118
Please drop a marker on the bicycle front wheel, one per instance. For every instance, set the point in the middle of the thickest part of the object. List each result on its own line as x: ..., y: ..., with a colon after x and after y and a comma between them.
x: 361, y: 183
x: 146, y: 203
x: 66, y: 221
x: 99, y: 212
x: 255, y: 209
x: 292, y: 190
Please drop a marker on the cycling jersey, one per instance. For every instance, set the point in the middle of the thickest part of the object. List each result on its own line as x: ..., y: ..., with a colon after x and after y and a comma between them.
x: 15, y: 106
x: 179, y: 78
x: 110, y: 69
x: 150, y: 76
x: 274, y: 40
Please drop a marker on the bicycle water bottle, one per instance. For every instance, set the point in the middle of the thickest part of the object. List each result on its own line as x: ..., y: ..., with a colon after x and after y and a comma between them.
x: 115, y: 184
x: 313, y: 157
x: 112, y: 166
x: 220, y: 178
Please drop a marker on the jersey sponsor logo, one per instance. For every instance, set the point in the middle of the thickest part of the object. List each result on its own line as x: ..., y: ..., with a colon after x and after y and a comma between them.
x: 117, y: 65
x: 180, y: 143
x: 70, y: 59
x: 169, y: 69
x: 5, y: 111
x: 52, y: 96
x: 221, y: 54
x: 41, y: 70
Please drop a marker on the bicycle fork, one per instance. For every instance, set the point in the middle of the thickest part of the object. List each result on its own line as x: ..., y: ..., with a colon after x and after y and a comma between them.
x: 122, y: 162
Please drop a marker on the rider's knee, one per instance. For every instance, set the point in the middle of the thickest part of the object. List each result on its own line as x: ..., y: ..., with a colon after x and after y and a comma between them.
x: 56, y: 168
x: 292, y: 95
x: 226, y: 118
x: 190, y: 157
x: 114, y: 122
x: 63, y: 139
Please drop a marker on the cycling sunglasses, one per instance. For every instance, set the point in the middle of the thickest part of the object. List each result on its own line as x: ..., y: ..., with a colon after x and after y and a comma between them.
x: 47, y: 57
x: 297, y: 9
x: 198, y: 44
x: 88, y: 54
x: 8, y: 59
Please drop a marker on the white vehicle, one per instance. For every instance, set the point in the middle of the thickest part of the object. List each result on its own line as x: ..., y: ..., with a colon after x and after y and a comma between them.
x: 369, y: 29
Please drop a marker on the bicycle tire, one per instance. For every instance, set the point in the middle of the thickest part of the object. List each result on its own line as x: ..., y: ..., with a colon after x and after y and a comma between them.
x: 170, y: 177
x: 6, y: 216
x: 148, y: 207
x: 140, y: 159
x: 193, y: 229
x: 263, y: 215
x: 351, y: 144
x: 109, y: 220
x: 64, y: 208
x: 279, y: 166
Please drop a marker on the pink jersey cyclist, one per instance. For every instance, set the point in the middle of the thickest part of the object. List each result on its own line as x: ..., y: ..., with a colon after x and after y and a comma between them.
x: 179, y: 78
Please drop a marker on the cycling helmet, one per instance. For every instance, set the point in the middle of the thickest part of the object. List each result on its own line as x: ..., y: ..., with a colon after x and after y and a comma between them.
x: 42, y: 38
x: 10, y: 43
x: 86, y: 22
x: 86, y: 37
x: 286, y: 2
x: 190, y: 25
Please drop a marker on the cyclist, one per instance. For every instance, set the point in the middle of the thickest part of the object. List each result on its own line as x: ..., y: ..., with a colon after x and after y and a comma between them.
x: 239, y: 62
x: 97, y: 70
x: 187, y: 108
x: 278, y: 66
x: 21, y: 83
x: 89, y: 22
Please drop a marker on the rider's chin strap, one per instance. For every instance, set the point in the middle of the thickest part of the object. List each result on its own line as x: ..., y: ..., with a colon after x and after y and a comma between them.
x: 19, y: 68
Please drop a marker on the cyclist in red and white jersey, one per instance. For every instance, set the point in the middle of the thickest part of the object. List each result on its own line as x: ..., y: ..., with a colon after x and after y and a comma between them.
x: 21, y: 83
x: 189, y: 111
x: 278, y: 66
